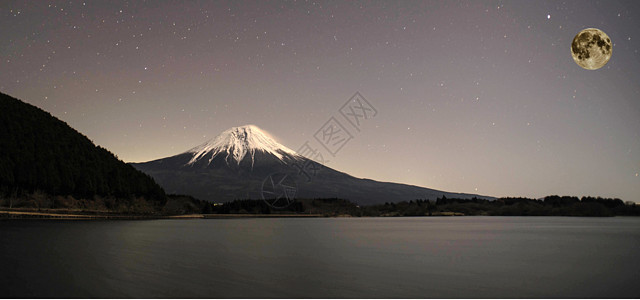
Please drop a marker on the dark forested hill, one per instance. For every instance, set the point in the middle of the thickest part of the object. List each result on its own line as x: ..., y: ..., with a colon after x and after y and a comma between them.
x: 40, y: 153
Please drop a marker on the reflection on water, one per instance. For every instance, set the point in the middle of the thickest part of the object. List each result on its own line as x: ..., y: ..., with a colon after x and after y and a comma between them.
x: 461, y: 257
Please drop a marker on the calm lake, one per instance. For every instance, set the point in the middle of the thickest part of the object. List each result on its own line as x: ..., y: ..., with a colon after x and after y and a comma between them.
x: 430, y: 257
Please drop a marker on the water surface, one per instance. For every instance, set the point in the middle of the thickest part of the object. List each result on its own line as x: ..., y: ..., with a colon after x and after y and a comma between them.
x: 435, y: 257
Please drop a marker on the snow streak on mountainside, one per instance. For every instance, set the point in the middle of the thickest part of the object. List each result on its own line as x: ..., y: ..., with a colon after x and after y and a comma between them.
x: 235, y: 143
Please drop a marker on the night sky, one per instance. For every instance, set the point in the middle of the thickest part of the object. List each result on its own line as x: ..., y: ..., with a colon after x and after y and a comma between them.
x: 477, y: 97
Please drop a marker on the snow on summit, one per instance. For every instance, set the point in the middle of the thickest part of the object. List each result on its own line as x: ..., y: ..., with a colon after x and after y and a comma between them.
x: 235, y: 143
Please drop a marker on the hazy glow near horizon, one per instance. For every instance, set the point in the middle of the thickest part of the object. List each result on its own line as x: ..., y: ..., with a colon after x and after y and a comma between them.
x: 477, y: 97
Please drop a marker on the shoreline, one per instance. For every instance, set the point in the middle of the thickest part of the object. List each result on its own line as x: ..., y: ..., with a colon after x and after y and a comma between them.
x: 19, y: 214
x: 35, y: 215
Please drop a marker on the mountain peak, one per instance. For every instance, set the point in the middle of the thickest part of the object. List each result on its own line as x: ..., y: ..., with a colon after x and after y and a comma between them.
x: 236, y: 142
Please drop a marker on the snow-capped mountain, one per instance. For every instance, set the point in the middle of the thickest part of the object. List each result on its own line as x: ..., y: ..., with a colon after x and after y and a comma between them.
x: 237, y: 163
x: 237, y: 142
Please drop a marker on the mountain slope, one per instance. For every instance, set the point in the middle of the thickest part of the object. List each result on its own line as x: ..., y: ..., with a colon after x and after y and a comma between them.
x: 39, y: 152
x: 237, y: 165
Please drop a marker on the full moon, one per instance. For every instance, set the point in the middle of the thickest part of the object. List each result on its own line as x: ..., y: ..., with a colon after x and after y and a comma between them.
x: 591, y: 48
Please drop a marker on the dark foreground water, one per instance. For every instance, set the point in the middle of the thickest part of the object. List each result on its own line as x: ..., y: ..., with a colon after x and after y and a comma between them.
x: 437, y: 257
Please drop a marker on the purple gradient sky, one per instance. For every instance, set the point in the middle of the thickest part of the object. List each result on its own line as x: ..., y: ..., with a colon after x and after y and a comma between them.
x: 478, y: 97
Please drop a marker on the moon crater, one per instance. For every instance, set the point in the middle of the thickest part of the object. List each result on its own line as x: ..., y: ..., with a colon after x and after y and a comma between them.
x: 591, y: 48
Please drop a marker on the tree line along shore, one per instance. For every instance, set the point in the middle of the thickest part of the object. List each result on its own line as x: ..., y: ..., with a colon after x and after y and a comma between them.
x: 39, y: 205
